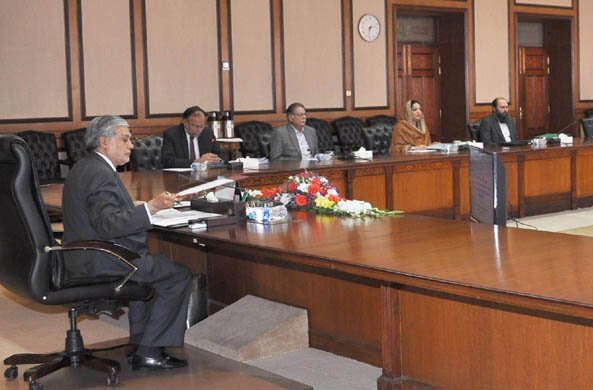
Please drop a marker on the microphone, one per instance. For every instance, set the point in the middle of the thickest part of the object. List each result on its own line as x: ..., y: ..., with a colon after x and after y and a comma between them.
x: 567, y: 126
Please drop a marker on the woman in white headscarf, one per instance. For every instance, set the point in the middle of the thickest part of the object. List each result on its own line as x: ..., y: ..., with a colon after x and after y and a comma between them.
x: 410, y: 130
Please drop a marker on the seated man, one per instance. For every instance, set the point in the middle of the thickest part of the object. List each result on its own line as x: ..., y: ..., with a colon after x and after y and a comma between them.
x: 295, y: 140
x: 191, y: 141
x: 498, y: 127
x: 97, y: 206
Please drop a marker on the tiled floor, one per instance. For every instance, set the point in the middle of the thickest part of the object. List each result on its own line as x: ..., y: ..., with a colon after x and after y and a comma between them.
x: 556, y: 222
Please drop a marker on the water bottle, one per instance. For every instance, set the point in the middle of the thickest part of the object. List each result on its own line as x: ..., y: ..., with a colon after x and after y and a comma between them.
x: 214, y: 122
x: 229, y: 127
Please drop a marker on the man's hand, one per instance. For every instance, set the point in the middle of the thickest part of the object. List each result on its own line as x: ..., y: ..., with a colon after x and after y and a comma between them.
x: 164, y: 200
x: 208, y: 157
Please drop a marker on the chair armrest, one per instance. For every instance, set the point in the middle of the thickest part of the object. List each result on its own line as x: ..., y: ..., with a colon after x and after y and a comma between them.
x: 120, y: 252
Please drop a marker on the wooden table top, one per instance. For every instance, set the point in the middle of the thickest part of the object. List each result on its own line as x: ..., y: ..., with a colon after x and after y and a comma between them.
x: 526, y: 268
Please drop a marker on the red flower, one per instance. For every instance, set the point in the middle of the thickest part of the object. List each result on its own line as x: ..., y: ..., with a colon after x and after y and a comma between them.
x: 268, y: 192
x: 292, y: 186
x: 314, y: 188
x: 300, y: 200
x: 334, y: 198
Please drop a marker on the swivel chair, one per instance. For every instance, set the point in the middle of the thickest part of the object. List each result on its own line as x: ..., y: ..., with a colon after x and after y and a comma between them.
x: 385, y: 119
x: 325, y: 138
x: 473, y: 130
x: 44, y: 150
x: 74, y: 145
x: 349, y: 131
x: 250, y: 133
x: 378, y: 138
x: 587, y: 126
x: 32, y: 267
x: 146, y: 154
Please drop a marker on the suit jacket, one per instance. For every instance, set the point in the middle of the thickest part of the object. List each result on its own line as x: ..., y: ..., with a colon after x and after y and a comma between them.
x: 175, y: 150
x: 490, y: 132
x: 98, y: 207
x: 284, y: 144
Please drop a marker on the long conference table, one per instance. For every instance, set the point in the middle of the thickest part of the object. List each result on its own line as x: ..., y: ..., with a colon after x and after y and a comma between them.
x: 434, y: 301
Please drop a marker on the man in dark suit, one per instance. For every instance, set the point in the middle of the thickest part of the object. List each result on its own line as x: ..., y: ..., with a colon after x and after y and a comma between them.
x: 97, y: 206
x: 498, y: 127
x: 191, y: 141
x: 295, y: 140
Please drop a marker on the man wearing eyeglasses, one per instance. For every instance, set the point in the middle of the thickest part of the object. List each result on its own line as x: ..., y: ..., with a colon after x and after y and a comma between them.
x: 189, y: 142
x: 295, y: 140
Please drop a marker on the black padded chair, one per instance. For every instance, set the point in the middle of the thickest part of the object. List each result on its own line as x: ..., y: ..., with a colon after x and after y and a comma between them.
x: 31, y: 266
x: 589, y: 113
x: 324, y: 133
x: 146, y: 155
x: 378, y: 138
x: 44, y: 149
x: 349, y: 131
x: 473, y: 130
x: 263, y: 139
x: 587, y: 126
x: 74, y: 145
x: 251, y: 133
x: 385, y: 119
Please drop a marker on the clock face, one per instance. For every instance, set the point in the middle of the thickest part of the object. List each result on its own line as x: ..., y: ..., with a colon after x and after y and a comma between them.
x: 369, y: 27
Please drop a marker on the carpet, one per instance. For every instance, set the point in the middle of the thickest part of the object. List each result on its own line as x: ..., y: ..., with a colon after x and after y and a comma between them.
x: 582, y: 231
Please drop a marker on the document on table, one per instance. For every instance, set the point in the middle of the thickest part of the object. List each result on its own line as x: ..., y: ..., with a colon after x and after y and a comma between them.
x: 175, y: 218
x: 206, y: 186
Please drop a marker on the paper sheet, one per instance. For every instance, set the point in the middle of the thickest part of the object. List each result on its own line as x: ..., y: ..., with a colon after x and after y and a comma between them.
x: 206, y: 186
x: 172, y: 217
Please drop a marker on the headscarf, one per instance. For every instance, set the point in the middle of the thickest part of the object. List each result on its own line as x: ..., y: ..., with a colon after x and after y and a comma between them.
x: 409, y: 117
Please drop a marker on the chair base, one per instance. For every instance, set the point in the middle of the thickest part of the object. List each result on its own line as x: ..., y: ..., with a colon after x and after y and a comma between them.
x: 48, y: 363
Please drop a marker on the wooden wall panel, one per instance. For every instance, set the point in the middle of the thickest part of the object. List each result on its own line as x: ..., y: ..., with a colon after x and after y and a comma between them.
x: 313, y: 53
x: 106, y: 56
x: 550, y: 176
x: 251, y: 66
x: 370, y: 58
x: 492, y: 64
x: 181, y: 56
x: 428, y: 189
x: 372, y: 188
x: 34, y: 68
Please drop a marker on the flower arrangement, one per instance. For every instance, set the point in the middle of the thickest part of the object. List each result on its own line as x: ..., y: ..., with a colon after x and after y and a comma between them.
x: 308, y: 191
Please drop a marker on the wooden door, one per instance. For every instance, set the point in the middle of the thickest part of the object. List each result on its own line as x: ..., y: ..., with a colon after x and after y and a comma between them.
x: 418, y: 78
x: 534, y: 100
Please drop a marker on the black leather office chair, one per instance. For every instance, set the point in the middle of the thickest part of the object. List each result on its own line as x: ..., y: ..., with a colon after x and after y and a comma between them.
x: 74, y: 145
x: 473, y: 130
x: 250, y: 133
x: 31, y: 266
x: 44, y: 149
x: 146, y: 154
x: 378, y: 138
x: 324, y: 133
x: 349, y: 131
x: 385, y: 119
x: 587, y: 126
x: 589, y: 113
x: 263, y: 140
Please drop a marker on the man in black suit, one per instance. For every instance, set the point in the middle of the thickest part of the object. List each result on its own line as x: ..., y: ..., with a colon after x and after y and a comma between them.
x: 190, y: 141
x: 97, y: 206
x: 498, y: 127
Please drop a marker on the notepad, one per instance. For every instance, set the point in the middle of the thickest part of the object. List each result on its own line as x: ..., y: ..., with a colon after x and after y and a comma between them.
x: 175, y: 218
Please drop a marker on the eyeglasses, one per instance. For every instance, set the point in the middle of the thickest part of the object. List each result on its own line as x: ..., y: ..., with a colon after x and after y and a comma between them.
x: 300, y: 114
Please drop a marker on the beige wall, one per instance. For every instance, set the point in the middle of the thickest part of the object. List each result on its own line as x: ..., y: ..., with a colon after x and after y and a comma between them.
x: 252, y: 66
x: 492, y: 56
x: 107, y: 58
x: 33, y: 67
x: 370, y: 58
x: 586, y: 49
x: 313, y: 56
x: 182, y: 55
x: 553, y: 3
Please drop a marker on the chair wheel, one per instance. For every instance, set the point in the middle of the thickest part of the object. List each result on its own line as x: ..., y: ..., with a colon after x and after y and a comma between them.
x: 112, y: 380
x: 35, y: 386
x: 11, y: 372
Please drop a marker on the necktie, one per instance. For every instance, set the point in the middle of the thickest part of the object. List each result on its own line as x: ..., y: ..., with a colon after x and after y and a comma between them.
x: 192, y: 149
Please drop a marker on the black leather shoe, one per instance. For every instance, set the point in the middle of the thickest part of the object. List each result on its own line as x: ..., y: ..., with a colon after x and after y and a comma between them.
x: 164, y: 362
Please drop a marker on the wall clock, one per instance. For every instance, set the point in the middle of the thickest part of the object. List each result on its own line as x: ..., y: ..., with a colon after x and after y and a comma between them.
x: 369, y: 27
